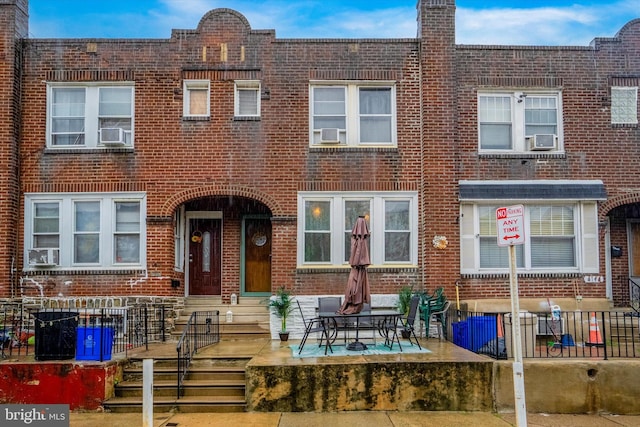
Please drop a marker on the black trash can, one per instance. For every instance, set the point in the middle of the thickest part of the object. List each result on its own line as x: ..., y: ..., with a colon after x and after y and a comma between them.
x: 55, y: 332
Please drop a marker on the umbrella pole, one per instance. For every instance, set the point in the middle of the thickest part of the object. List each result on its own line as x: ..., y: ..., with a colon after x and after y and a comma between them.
x: 357, y: 345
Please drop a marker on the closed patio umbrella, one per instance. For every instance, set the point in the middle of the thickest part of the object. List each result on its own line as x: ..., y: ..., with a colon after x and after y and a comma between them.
x: 358, y: 292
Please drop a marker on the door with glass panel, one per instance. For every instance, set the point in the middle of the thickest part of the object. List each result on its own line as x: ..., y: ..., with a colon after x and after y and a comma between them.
x: 205, y: 256
x: 256, y: 271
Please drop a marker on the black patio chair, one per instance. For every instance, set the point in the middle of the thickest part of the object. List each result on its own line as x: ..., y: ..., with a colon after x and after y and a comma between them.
x: 332, y: 305
x: 409, y: 321
x: 313, y: 326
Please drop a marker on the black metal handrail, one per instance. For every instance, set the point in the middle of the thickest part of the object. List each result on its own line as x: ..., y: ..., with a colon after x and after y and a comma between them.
x: 202, y: 329
x: 634, y: 296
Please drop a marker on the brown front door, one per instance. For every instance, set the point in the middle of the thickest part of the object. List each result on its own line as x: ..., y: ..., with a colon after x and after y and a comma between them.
x: 257, y: 255
x: 205, y: 254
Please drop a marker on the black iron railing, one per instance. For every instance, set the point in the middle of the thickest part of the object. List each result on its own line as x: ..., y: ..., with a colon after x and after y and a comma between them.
x: 202, y: 329
x: 121, y: 328
x: 634, y: 296
x: 571, y: 334
x: 15, y: 336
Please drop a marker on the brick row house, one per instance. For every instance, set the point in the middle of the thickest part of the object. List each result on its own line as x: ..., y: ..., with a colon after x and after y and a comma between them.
x: 224, y: 160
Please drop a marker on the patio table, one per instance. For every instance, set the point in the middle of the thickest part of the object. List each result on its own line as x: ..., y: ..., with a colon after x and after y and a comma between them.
x: 385, y: 322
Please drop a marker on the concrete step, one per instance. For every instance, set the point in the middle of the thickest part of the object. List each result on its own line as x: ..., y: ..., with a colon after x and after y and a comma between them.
x: 248, y: 309
x: 212, y: 384
x: 170, y: 373
x: 187, y: 404
x: 234, y: 330
x: 192, y: 387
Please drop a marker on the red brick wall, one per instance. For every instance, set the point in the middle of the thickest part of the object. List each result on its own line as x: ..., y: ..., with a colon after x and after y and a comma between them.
x: 269, y: 160
x: 13, y: 22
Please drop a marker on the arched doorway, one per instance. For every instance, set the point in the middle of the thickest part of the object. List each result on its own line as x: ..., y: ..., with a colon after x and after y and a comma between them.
x: 227, y: 246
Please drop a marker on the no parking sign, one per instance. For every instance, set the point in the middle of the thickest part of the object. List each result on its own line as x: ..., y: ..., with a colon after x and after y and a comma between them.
x: 510, y: 224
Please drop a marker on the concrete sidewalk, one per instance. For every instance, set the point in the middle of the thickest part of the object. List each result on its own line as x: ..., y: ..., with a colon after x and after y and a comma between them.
x: 352, y: 419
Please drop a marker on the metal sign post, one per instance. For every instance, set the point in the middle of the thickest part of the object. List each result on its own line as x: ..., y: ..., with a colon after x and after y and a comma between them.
x: 510, y: 224
x: 147, y: 392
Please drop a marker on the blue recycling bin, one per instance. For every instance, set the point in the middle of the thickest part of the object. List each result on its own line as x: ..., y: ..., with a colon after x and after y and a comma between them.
x: 461, y: 334
x: 94, y: 343
x: 482, y: 329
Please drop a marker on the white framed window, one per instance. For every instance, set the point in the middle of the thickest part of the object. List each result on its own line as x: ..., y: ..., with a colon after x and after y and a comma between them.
x: 247, y: 98
x: 510, y: 122
x: 90, y: 115
x: 90, y: 230
x: 325, y: 221
x: 196, y: 98
x: 353, y: 114
x: 560, y: 237
x: 624, y: 105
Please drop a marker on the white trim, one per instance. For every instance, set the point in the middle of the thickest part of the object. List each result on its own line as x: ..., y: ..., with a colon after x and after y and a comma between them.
x: 91, y: 114
x: 246, y: 85
x: 350, y: 135
x: 106, y: 231
x: 377, y: 202
x: 187, y: 87
x: 517, y: 121
x: 585, y: 234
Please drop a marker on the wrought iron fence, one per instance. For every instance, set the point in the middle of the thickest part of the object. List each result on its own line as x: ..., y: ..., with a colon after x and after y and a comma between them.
x: 202, y: 329
x: 27, y: 329
x: 571, y: 334
x: 15, y: 336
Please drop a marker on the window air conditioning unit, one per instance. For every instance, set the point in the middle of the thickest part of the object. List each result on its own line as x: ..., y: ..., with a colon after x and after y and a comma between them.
x: 330, y: 136
x: 543, y: 142
x: 547, y: 326
x: 112, y: 136
x: 44, y: 257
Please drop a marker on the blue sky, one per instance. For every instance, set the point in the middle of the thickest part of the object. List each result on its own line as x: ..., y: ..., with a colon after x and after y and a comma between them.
x: 541, y: 22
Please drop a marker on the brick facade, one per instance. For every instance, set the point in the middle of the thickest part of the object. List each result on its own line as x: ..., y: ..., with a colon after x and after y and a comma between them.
x: 242, y: 166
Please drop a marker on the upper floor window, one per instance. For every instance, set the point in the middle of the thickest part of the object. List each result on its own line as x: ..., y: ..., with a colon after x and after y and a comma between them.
x: 89, y: 115
x: 624, y: 105
x: 519, y: 122
x: 353, y: 114
x: 326, y: 221
x: 93, y: 230
x: 196, y: 98
x: 247, y: 98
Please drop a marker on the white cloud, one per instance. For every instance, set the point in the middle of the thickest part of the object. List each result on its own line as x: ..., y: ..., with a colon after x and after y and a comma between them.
x: 563, y: 25
x: 571, y: 25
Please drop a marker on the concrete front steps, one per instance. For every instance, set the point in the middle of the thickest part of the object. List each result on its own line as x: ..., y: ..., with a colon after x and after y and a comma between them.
x: 211, y: 385
x: 250, y: 317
